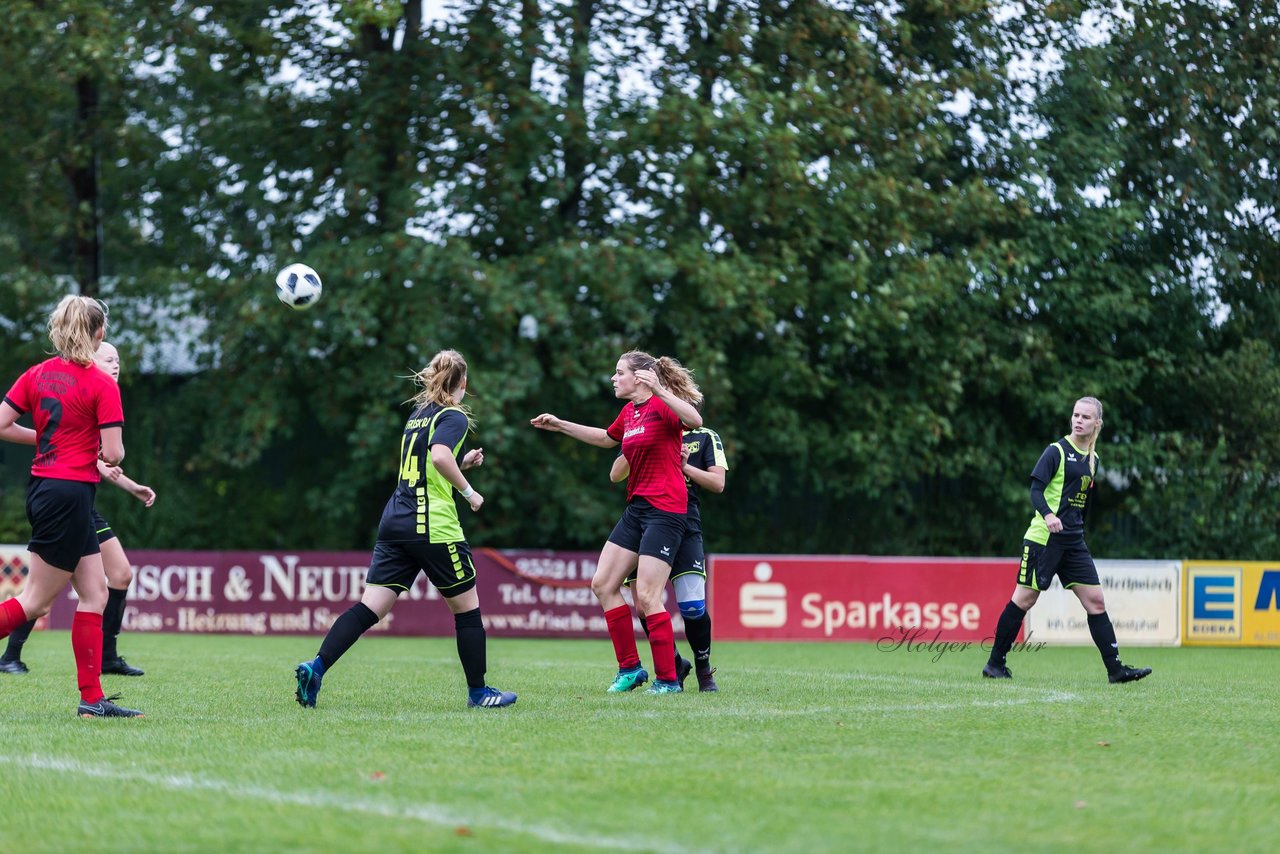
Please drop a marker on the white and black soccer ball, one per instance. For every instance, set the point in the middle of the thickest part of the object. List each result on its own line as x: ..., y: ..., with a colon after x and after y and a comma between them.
x: 298, y: 286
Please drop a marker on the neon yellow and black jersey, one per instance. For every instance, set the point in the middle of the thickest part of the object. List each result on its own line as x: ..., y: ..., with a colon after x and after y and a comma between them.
x: 705, y: 450
x: 1061, y: 483
x: 422, y: 507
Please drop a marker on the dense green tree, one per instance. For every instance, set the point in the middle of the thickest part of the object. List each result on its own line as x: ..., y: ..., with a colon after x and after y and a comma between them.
x: 894, y: 245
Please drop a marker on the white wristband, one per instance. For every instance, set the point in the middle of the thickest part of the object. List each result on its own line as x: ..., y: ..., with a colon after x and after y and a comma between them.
x: 468, y: 492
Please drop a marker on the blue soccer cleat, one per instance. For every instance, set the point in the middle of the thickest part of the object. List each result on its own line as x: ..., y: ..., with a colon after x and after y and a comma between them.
x: 489, y: 698
x: 628, y: 680
x: 309, y: 679
x: 661, y: 687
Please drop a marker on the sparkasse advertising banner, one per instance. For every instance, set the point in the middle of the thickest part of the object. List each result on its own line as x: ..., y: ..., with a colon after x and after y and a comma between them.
x: 840, y: 597
x: 522, y: 593
x: 1143, y: 597
x: 1231, y: 603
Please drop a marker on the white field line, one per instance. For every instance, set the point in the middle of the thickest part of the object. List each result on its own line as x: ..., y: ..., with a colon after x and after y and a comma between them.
x: 428, y: 813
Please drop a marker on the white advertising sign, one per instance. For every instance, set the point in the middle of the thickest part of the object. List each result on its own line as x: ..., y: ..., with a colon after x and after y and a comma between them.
x: 1143, y: 599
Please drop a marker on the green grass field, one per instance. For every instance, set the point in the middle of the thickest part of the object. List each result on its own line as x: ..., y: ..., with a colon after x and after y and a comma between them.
x: 808, y: 747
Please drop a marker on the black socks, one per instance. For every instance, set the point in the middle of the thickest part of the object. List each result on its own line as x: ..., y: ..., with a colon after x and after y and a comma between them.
x: 1104, y: 638
x: 697, y: 631
x: 346, y: 630
x: 1006, y: 632
x: 112, y: 619
x: 18, y: 637
x: 471, y: 646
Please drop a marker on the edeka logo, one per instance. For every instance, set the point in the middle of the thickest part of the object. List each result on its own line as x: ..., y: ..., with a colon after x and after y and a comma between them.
x: 762, y: 604
x: 1215, y: 603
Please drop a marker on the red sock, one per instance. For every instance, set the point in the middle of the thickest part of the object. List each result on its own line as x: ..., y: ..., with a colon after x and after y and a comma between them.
x: 662, y: 640
x: 623, y: 635
x: 11, y: 616
x: 86, y: 644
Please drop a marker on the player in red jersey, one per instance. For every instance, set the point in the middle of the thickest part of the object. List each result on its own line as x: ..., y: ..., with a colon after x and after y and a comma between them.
x: 114, y: 560
x: 663, y: 401
x: 78, y: 420
x: 704, y: 467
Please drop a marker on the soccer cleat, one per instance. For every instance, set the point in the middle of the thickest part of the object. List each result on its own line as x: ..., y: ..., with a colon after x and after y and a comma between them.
x: 489, y: 698
x: 996, y: 671
x: 629, y: 680
x: 121, y: 667
x: 13, y: 665
x: 104, y: 708
x: 707, y: 683
x: 662, y: 687
x: 308, y: 684
x: 683, y: 668
x: 1125, y: 673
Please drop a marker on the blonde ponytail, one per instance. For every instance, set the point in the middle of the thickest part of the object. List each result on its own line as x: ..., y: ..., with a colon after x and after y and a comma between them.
x: 74, y: 327
x: 442, y: 376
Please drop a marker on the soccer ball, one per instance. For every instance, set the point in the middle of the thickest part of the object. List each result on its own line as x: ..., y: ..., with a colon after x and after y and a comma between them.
x: 298, y: 286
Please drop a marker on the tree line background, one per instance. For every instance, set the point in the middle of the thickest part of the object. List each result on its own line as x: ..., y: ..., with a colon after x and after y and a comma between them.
x: 894, y: 241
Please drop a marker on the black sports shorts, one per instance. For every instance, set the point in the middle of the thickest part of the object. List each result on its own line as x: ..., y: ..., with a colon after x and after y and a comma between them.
x: 448, y: 566
x: 690, y: 559
x: 646, y: 530
x: 1071, y: 562
x: 61, y: 517
x: 102, y: 528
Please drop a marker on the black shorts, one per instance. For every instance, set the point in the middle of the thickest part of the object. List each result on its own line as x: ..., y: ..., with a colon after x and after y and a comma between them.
x: 102, y: 528
x: 1071, y: 562
x: 646, y: 530
x: 448, y: 566
x: 61, y: 517
x: 690, y: 559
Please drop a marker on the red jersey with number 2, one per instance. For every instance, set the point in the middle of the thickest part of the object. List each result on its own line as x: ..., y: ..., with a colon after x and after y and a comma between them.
x: 70, y: 404
x: 651, y: 436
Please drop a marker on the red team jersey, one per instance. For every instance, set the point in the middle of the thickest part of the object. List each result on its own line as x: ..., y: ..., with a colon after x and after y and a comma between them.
x: 70, y: 404
x: 651, y: 436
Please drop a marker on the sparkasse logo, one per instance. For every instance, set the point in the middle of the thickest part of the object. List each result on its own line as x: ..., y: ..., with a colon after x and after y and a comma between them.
x: 762, y: 604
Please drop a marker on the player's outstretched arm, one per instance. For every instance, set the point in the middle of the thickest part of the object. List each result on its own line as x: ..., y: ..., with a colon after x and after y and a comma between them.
x: 591, y: 435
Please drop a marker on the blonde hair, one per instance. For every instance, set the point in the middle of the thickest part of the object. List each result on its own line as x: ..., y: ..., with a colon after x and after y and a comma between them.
x: 671, y: 374
x: 1097, y: 431
x: 74, y: 325
x: 442, y: 376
